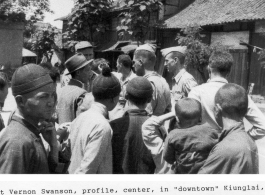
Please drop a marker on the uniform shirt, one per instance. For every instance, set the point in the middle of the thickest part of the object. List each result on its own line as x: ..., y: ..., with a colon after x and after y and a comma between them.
x: 236, y: 153
x: 161, y: 100
x: 22, y: 150
x: 154, y: 136
x: 205, y: 94
x: 90, y: 140
x: 182, y: 84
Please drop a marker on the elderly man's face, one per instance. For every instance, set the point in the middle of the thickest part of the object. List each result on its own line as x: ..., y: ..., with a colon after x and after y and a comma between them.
x: 40, y: 104
x: 87, y: 52
x: 171, y: 64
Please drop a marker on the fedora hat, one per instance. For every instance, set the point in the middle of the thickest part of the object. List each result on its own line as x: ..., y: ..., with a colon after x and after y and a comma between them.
x: 76, y: 62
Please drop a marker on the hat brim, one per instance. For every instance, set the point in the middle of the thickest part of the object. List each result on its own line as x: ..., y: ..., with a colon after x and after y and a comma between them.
x: 82, y: 65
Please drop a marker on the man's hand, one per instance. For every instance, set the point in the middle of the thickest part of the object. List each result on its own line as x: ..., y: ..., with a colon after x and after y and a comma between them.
x: 48, y: 132
x: 63, y: 132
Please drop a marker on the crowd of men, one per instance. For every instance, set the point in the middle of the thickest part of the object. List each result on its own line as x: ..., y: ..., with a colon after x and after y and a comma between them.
x: 129, y: 122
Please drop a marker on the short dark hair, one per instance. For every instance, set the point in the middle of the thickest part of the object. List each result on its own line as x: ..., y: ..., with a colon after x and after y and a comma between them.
x: 136, y: 100
x: 3, y: 81
x: 125, y: 60
x: 149, y: 58
x: 222, y: 61
x: 53, y: 71
x: 180, y: 56
x: 233, y: 100
x: 188, y: 109
x: 100, y: 61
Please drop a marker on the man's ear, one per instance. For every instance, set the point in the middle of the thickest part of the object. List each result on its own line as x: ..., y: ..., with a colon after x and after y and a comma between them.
x: 20, y: 100
x: 176, y: 60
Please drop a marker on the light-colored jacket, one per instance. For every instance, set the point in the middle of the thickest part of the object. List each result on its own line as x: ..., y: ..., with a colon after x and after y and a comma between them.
x: 90, y: 140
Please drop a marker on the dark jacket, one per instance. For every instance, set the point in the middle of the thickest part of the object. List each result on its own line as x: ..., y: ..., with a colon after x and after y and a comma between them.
x: 72, y: 101
x: 130, y: 155
x: 22, y: 150
x: 189, y: 148
x: 236, y: 153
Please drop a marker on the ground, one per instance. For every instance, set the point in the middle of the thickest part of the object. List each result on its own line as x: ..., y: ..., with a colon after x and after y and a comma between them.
x: 259, y: 100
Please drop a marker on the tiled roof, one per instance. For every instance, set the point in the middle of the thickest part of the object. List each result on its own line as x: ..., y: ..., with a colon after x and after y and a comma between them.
x: 214, y: 12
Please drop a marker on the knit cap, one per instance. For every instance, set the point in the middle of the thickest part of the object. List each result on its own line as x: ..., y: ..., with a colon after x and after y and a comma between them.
x: 29, y: 78
x: 140, y: 87
x: 106, y: 85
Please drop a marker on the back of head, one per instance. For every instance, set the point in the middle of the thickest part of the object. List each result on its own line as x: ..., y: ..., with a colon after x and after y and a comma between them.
x: 100, y: 62
x: 125, y: 60
x: 221, y: 61
x: 188, y: 109
x: 53, y: 71
x: 106, y: 85
x: 233, y: 100
x: 139, y: 91
x: 29, y: 78
x: 148, y: 58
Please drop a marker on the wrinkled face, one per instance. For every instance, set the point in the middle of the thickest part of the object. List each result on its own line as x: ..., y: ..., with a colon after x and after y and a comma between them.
x: 138, y: 66
x: 40, y: 104
x: 3, y: 95
x: 171, y: 64
x: 87, y: 52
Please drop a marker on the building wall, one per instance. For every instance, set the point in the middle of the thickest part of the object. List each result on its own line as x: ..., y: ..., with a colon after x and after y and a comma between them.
x: 11, y: 43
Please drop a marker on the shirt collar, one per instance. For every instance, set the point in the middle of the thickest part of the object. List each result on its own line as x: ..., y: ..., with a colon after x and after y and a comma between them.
x: 136, y: 112
x: 128, y: 78
x: 100, y: 108
x: 180, y: 74
x: 151, y: 74
x: 225, y: 132
x: 76, y: 83
x: 218, y: 79
x: 20, y: 119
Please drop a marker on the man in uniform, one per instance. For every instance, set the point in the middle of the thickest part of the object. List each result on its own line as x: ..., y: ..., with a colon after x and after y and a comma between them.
x: 85, y: 48
x: 182, y: 80
x: 21, y: 146
x: 144, y: 62
x: 74, y: 99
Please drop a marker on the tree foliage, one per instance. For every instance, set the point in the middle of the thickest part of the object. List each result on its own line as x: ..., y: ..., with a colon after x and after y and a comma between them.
x: 23, y: 10
x: 88, y: 17
x: 137, y: 18
x: 198, y: 53
x: 42, y: 40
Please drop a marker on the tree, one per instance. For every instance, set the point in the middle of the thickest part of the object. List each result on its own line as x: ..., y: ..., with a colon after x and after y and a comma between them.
x: 198, y: 53
x: 42, y: 40
x: 88, y: 17
x: 137, y: 18
x: 23, y: 10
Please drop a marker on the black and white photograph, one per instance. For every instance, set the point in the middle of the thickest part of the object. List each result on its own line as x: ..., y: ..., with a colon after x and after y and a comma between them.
x: 136, y: 92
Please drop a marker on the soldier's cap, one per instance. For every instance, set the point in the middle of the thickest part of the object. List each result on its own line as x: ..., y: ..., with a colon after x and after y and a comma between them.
x: 147, y: 47
x: 83, y: 45
x: 180, y: 49
x: 76, y: 62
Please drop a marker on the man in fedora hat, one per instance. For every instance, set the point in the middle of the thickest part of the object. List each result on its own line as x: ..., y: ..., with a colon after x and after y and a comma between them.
x: 85, y: 48
x: 74, y: 98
